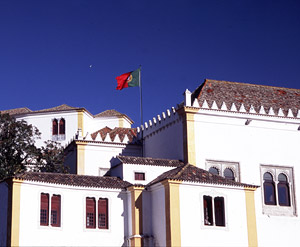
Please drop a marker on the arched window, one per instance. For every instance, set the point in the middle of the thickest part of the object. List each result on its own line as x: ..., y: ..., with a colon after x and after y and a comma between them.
x: 214, y: 170
x: 269, y: 189
x: 228, y: 173
x: 283, y: 190
x: 62, y: 126
x: 54, y: 127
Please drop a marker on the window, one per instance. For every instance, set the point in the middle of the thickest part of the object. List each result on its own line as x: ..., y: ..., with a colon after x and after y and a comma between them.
x: 102, y: 212
x: 278, y: 193
x: 283, y: 190
x: 213, y: 209
x: 229, y: 170
x: 55, y: 210
x: 139, y: 176
x: 269, y: 189
x: 90, y: 213
x: 62, y: 126
x: 58, y: 129
x: 228, y: 173
x: 54, y: 127
x: 214, y: 170
x: 44, y: 214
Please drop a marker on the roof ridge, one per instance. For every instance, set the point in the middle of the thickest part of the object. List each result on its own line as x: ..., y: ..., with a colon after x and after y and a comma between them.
x: 181, y: 170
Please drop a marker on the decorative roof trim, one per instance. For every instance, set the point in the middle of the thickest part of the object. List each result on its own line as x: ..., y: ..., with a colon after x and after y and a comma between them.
x: 148, y: 161
x: 73, y: 180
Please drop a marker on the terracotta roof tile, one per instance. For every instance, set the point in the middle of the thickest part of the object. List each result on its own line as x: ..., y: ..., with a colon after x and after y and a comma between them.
x: 16, y: 111
x: 63, y: 107
x: 149, y: 161
x: 191, y: 173
x: 248, y: 94
x: 112, y: 113
x: 109, y: 113
x: 74, y: 180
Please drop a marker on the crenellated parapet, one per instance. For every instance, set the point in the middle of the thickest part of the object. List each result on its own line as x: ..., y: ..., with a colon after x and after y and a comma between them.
x: 156, y: 124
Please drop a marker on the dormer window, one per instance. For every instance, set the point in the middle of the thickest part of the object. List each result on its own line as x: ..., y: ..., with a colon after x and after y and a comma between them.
x: 58, y: 129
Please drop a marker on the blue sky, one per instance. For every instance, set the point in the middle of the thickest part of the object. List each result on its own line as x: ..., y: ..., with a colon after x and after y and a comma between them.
x: 47, y: 48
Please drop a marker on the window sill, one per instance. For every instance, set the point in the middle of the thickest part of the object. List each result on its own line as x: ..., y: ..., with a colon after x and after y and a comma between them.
x: 276, y: 210
x: 58, y: 137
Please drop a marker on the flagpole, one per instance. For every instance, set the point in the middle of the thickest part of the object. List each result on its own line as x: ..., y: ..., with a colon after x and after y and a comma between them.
x: 141, y: 108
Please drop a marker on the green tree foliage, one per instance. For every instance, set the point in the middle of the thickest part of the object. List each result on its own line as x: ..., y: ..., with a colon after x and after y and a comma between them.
x: 18, y: 152
x: 51, y: 157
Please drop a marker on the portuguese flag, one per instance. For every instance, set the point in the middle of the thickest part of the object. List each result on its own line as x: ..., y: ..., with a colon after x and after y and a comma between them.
x: 130, y: 79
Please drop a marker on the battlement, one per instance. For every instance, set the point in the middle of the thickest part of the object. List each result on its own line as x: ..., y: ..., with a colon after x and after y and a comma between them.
x: 160, y: 121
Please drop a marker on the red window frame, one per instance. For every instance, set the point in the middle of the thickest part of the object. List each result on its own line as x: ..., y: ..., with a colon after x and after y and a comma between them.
x: 55, y: 210
x: 90, y: 212
x: 139, y: 176
x: 62, y: 126
x: 44, y: 211
x: 54, y: 127
x: 208, y: 214
x: 103, y: 213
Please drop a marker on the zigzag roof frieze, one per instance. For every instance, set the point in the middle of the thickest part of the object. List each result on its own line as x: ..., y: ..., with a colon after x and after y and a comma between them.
x: 250, y: 98
x: 275, y: 115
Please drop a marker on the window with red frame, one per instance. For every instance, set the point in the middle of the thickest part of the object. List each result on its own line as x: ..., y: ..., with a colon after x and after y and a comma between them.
x: 62, y: 126
x: 103, y: 213
x: 54, y: 127
x: 55, y: 210
x: 44, y: 211
x: 90, y: 212
x: 55, y: 204
x: 139, y: 176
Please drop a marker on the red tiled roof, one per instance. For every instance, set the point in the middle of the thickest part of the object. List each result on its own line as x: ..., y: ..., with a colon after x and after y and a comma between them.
x: 149, y: 161
x: 112, y: 113
x: 16, y: 111
x: 130, y: 132
x: 248, y: 94
x: 109, y: 113
x: 191, y: 173
x: 74, y: 180
x: 62, y: 107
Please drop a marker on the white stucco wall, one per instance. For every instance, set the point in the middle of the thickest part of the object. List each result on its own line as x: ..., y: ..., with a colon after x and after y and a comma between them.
x: 100, y: 155
x: 193, y: 230
x: 158, y: 214
x: 43, y: 121
x: 72, y: 231
x: 266, y: 140
x: 164, y: 139
x: 96, y: 124
x: 151, y: 172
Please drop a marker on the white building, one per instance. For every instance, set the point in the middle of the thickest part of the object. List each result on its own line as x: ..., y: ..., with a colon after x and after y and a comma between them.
x: 222, y: 169
x: 63, y: 122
